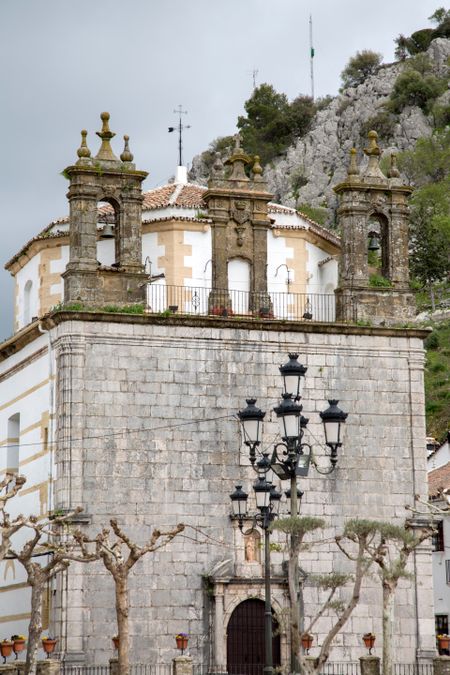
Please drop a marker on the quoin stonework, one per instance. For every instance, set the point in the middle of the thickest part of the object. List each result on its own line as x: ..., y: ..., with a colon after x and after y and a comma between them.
x: 131, y: 414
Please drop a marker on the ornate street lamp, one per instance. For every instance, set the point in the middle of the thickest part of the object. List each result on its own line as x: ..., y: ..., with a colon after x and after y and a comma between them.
x: 293, y: 374
x: 333, y: 419
x: 291, y: 457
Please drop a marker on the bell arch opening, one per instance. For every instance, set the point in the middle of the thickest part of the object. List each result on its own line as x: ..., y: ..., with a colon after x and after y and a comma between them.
x: 378, y: 261
x: 107, y: 232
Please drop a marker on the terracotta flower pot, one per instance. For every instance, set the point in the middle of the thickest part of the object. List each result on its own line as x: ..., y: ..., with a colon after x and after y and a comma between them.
x: 369, y: 641
x: 116, y: 641
x: 18, y: 646
x: 444, y: 643
x: 307, y: 640
x: 6, y: 648
x: 49, y: 646
x: 182, y: 643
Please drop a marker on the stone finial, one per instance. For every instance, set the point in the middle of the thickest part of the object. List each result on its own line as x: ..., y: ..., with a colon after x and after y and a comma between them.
x: 126, y: 155
x: 353, y: 170
x: 373, y: 171
x: 83, y: 151
x: 105, y: 153
x: 393, y: 169
x: 257, y: 168
x: 238, y: 160
x: 217, y: 167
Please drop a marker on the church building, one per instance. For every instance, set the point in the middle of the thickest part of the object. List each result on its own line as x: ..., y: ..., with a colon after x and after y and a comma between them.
x: 143, y: 321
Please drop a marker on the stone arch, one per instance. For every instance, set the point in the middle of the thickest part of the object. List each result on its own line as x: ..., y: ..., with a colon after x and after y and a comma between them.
x: 245, y: 638
x: 378, y: 229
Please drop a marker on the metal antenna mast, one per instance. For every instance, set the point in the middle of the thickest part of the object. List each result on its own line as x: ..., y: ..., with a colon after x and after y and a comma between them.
x: 255, y: 72
x: 179, y: 111
x: 311, y: 55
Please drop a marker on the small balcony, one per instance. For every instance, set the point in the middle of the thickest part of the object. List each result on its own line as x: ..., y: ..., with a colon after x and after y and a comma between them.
x: 199, y: 301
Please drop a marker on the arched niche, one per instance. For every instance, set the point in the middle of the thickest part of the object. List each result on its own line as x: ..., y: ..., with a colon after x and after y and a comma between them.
x: 239, y: 283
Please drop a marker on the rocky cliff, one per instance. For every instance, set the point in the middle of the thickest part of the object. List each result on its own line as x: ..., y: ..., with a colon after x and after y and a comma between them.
x: 318, y: 160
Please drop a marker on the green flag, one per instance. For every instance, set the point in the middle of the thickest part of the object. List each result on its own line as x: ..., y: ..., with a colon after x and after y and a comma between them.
x: 312, y: 52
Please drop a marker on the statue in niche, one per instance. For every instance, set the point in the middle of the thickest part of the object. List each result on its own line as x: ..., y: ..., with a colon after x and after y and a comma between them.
x: 252, y: 544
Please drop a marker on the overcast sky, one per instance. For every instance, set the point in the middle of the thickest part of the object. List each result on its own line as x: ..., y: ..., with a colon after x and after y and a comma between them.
x: 63, y: 62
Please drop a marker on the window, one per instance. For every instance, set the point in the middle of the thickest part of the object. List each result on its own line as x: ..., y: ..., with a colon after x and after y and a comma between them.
x: 12, y: 454
x: 447, y: 571
x: 441, y: 623
x: 27, y: 302
x: 438, y: 537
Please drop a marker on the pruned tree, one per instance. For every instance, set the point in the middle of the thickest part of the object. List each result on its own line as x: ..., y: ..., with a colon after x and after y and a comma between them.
x: 389, y: 547
x: 51, y: 539
x: 330, y: 584
x: 10, y: 485
x: 119, y: 564
x: 296, y: 528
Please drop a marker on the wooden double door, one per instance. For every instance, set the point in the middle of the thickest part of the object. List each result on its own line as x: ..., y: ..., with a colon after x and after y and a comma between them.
x: 245, y: 639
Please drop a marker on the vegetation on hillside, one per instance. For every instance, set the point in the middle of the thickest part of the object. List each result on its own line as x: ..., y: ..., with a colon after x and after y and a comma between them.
x: 420, y: 40
x: 359, y: 68
x: 437, y: 380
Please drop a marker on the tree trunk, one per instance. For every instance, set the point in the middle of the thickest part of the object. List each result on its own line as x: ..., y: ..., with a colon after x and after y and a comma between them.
x: 121, y: 587
x: 387, y: 623
x: 35, y: 626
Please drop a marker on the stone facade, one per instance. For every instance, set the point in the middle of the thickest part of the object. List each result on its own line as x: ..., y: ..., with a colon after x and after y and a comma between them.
x: 237, y: 206
x: 150, y: 438
x: 116, y: 181
x: 373, y: 207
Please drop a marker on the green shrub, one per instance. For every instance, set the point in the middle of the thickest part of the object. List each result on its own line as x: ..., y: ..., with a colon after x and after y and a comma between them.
x: 432, y: 342
x: 412, y: 88
x: 383, y: 123
x: 359, y: 67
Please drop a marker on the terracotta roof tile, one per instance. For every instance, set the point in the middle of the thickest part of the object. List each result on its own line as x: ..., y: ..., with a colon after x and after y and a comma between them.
x: 158, y: 198
x: 438, y: 480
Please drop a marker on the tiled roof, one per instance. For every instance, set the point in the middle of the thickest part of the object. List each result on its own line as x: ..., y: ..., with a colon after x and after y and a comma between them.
x: 188, y: 196
x: 158, y: 198
x: 438, y: 480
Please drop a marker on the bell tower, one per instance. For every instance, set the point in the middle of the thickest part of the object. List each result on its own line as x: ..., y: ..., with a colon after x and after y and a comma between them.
x: 374, y: 268
x: 237, y: 206
x: 104, y: 178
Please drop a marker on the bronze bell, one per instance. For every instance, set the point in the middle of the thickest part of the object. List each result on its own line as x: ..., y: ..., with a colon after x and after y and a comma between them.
x: 107, y: 232
x: 374, y: 244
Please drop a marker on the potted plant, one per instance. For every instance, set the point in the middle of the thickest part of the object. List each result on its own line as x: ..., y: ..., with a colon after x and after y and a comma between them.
x: 307, y: 640
x: 48, y: 645
x: 18, y: 644
x: 369, y: 641
x: 115, y: 639
x: 182, y: 641
x: 443, y: 641
x: 6, y: 648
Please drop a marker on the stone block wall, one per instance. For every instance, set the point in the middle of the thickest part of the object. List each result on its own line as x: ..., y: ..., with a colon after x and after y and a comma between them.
x: 146, y: 432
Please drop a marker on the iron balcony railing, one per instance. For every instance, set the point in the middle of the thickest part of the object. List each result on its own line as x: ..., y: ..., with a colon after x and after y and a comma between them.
x: 199, y: 301
x: 330, y: 668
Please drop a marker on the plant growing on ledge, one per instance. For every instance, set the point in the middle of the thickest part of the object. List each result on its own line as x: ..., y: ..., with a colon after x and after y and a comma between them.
x: 378, y: 281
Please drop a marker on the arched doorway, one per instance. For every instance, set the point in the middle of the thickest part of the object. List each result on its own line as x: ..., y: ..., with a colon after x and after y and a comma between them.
x: 245, y: 639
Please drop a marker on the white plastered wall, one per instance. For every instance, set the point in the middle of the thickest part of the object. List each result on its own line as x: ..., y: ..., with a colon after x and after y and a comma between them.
x: 25, y: 389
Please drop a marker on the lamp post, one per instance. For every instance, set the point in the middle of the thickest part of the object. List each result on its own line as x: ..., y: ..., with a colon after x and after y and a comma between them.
x: 291, y: 458
x: 268, y: 503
